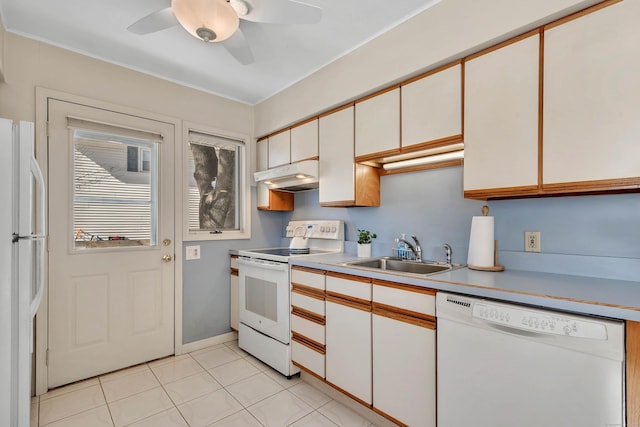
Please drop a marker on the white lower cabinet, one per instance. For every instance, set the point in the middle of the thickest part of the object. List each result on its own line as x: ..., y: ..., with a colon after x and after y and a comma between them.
x: 404, y: 370
x: 349, y: 349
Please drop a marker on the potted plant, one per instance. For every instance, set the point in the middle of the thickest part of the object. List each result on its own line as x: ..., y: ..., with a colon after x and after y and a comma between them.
x: 364, y: 243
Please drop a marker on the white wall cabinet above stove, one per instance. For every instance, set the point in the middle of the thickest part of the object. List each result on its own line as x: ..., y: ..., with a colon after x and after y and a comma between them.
x: 377, y: 124
x: 304, y: 141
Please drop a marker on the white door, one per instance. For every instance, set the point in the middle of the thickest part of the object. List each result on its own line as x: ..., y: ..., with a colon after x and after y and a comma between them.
x: 111, y: 249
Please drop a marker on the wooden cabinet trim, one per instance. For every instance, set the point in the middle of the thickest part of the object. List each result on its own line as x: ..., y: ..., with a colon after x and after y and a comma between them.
x: 348, y: 277
x: 404, y: 287
x: 503, y: 44
x: 378, y: 93
x: 367, y: 186
x: 309, y: 343
x: 633, y: 372
x: 580, y: 13
x: 307, y: 291
x: 307, y: 370
x: 335, y: 110
x: 308, y: 315
x: 234, y: 272
x: 338, y: 204
x: 597, y: 185
x: 304, y: 122
x: 348, y: 301
x: 430, y: 73
x: 279, y: 201
x: 309, y: 270
x: 351, y: 396
x: 406, y: 316
x: 308, y: 158
x: 436, y: 143
x: 505, y: 192
x: 389, y: 417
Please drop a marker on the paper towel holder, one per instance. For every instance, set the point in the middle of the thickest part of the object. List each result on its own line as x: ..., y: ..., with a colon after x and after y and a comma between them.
x: 495, y: 266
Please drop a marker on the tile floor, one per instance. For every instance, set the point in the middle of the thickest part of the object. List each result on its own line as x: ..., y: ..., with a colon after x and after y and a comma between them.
x: 217, y: 386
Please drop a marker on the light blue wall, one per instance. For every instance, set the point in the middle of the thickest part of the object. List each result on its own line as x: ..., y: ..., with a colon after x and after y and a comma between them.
x: 205, y: 282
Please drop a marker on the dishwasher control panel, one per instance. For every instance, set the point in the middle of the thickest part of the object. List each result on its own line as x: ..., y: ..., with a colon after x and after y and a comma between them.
x: 535, y: 321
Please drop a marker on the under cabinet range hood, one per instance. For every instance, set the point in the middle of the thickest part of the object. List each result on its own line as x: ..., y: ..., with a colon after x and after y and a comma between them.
x: 299, y: 176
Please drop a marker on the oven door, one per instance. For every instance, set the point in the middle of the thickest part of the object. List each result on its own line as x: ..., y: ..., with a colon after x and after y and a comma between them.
x: 264, y: 297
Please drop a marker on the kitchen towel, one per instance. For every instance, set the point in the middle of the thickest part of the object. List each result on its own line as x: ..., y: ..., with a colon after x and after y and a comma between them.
x: 481, y: 242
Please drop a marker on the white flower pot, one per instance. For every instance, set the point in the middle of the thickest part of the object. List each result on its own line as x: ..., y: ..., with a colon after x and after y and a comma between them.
x: 364, y: 250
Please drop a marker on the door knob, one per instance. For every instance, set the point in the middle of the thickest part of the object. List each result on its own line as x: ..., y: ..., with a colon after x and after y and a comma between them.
x: 166, y: 258
x: 166, y: 242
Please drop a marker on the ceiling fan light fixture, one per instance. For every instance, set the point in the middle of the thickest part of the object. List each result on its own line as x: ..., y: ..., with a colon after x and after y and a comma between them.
x: 208, y: 20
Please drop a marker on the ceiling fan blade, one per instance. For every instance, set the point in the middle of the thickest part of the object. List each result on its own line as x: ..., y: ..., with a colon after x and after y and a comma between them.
x: 156, y: 21
x: 282, y: 12
x: 239, y: 48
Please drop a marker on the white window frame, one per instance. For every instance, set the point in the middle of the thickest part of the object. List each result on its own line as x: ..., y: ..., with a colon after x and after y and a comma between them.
x: 244, y: 187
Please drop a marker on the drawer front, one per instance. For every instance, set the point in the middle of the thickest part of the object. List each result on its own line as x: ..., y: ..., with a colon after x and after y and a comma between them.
x: 308, y: 358
x: 307, y: 328
x: 418, y: 302
x: 352, y: 288
x: 308, y: 303
x: 307, y: 278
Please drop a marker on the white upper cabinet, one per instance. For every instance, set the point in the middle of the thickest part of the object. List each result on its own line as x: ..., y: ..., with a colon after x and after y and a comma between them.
x: 304, y: 141
x: 280, y: 149
x: 262, y: 155
x: 337, y: 178
x: 432, y: 107
x: 378, y: 124
x: 501, y: 117
x: 591, y: 93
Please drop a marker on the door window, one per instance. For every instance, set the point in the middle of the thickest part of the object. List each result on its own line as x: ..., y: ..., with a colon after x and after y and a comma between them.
x: 114, y: 189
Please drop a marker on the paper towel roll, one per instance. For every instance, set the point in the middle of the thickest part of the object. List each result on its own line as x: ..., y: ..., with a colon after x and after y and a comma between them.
x: 481, y: 242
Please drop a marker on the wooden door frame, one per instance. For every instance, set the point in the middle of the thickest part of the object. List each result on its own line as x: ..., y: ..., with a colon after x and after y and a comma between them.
x: 41, y: 145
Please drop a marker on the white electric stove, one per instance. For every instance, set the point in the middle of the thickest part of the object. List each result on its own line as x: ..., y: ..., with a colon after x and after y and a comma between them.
x: 264, y: 287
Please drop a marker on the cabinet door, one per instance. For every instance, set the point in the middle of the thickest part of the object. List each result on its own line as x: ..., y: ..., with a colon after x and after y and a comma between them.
x: 280, y: 149
x: 501, y: 118
x: 337, y: 168
x: 378, y: 124
x: 348, y: 349
x: 432, y: 107
x: 304, y: 141
x: 404, y: 371
x: 591, y: 87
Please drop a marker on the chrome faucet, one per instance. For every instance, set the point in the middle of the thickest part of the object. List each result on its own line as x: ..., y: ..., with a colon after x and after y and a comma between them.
x: 448, y: 251
x: 416, y: 249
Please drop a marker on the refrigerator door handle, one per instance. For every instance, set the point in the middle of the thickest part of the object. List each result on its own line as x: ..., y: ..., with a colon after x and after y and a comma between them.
x: 39, y: 237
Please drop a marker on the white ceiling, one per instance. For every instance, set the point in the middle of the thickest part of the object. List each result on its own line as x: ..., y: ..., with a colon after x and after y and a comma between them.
x: 284, y: 53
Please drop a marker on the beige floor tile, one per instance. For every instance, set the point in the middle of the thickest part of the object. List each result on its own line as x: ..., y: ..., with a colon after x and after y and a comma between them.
x: 72, y: 403
x: 233, y: 372
x: 35, y: 407
x: 343, y: 416
x: 233, y: 345
x: 123, y: 373
x: 139, y: 406
x: 209, y: 408
x: 129, y: 385
x: 254, y: 389
x: 311, y: 395
x: 176, y: 370
x: 240, y: 419
x: 210, y: 358
x: 191, y: 387
x: 96, y: 417
x: 258, y: 363
x: 170, y: 418
x: 165, y: 360
x: 281, y: 379
x: 314, y: 419
x: 69, y: 388
x: 280, y: 410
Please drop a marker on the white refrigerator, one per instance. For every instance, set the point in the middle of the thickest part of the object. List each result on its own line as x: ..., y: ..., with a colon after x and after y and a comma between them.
x: 21, y: 266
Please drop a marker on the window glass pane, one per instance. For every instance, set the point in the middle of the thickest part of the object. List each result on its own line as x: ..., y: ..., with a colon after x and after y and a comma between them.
x: 113, y: 206
x: 146, y: 160
x: 213, y: 187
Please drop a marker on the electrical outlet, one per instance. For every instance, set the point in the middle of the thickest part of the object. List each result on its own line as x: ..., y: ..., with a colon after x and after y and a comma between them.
x: 532, y: 241
x: 193, y: 252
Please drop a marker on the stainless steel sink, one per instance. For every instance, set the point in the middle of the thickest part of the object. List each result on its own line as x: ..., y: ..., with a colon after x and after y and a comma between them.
x: 401, y: 266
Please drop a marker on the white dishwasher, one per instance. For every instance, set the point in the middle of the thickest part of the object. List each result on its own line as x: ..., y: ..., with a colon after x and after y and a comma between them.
x: 505, y: 365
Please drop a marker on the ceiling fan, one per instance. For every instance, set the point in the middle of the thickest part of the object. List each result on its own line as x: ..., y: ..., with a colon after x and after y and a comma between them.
x: 215, y: 21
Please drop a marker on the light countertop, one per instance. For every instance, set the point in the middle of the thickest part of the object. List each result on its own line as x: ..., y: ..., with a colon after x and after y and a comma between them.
x: 617, y: 299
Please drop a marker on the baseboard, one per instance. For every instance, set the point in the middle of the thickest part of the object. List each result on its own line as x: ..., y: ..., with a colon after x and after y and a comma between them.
x: 208, y: 342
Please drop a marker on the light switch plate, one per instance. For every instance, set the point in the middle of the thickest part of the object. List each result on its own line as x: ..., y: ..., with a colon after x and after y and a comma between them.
x: 193, y: 252
x: 532, y: 241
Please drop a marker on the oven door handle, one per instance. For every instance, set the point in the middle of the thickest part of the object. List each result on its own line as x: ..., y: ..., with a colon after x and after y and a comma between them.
x: 258, y: 263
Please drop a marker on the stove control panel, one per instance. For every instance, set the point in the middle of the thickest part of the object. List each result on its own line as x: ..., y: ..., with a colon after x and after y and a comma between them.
x: 329, y: 229
x: 537, y: 321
